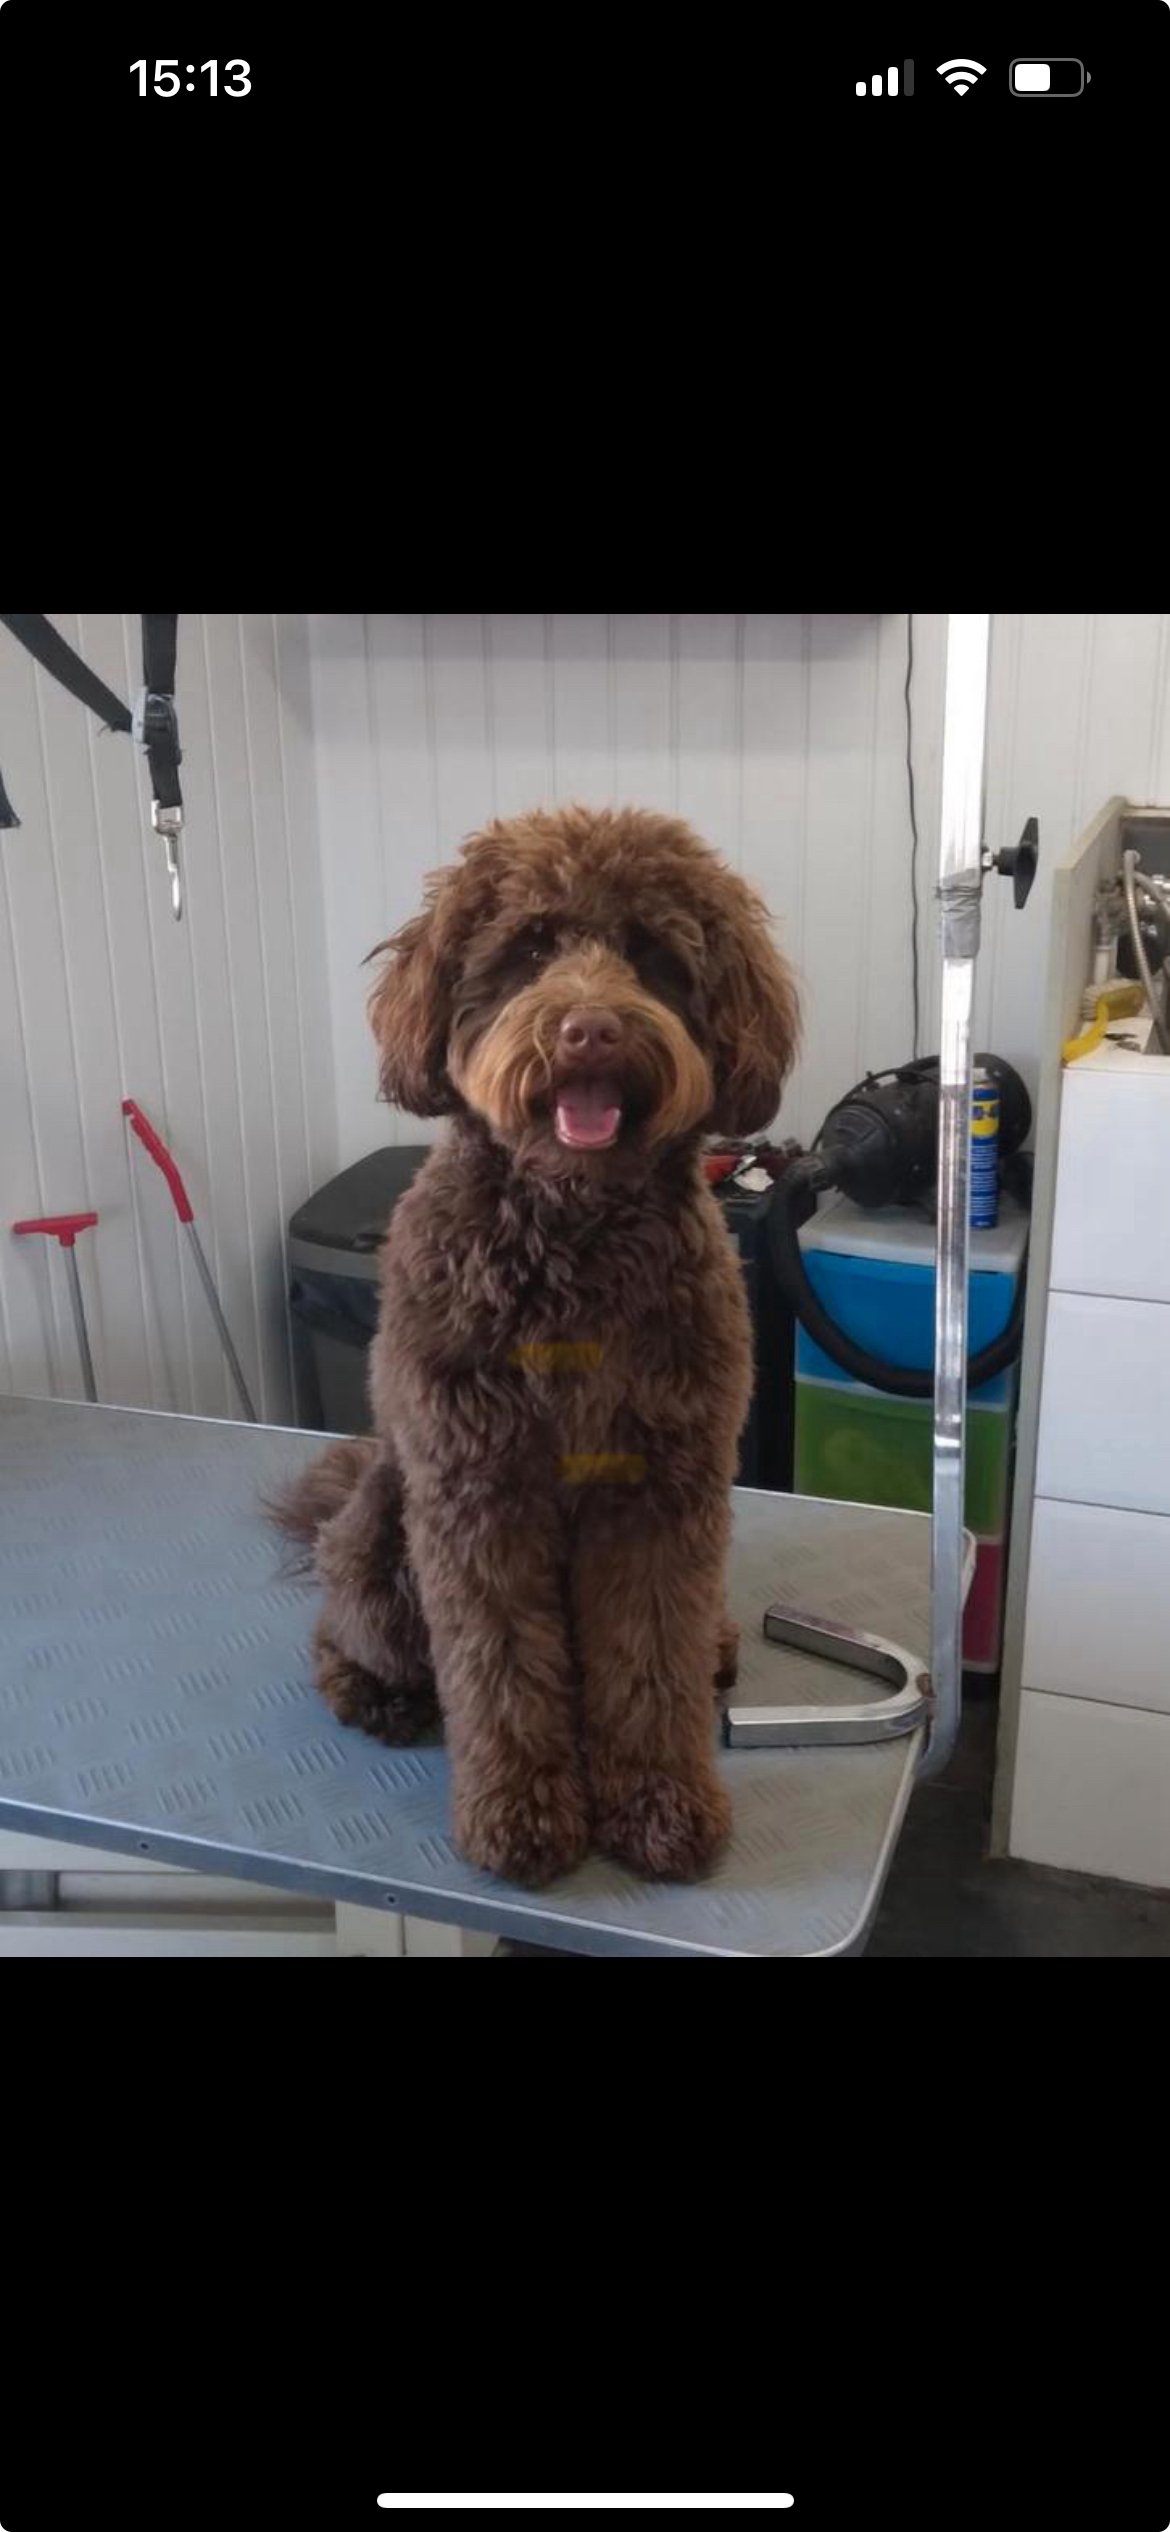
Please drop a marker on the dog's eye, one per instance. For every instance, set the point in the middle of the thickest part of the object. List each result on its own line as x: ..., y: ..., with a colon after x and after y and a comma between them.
x: 657, y: 966
x: 532, y: 946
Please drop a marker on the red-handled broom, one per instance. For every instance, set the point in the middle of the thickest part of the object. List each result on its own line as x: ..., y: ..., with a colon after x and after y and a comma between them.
x: 157, y: 1149
x: 64, y: 1227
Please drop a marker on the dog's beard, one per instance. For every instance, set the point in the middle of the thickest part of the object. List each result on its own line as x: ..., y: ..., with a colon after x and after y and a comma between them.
x: 515, y: 1077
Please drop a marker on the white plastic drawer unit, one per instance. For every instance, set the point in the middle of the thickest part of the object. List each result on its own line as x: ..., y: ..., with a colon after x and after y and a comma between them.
x: 1105, y: 1403
x: 1111, y: 1230
x: 1099, y: 1605
x: 1092, y: 1789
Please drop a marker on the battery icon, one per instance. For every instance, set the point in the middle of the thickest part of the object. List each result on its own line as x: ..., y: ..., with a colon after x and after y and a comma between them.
x: 1057, y: 77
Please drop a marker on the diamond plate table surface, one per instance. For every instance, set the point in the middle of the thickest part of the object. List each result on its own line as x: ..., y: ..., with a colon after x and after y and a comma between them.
x: 156, y: 1698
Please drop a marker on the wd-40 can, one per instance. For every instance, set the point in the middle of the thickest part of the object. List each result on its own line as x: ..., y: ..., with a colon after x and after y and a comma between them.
x: 984, y: 1153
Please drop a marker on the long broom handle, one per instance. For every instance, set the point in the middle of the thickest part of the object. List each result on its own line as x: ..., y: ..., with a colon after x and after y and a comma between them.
x: 221, y: 1323
x: 79, y: 1322
x: 169, y: 1166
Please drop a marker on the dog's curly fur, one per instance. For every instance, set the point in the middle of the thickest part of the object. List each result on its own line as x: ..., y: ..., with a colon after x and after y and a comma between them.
x: 533, y: 1541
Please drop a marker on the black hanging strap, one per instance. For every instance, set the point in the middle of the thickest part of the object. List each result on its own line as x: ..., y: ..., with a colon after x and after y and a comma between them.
x: 154, y: 721
x: 53, y: 653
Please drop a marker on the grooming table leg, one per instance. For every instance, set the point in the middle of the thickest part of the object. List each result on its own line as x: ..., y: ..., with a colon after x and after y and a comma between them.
x: 28, y: 1890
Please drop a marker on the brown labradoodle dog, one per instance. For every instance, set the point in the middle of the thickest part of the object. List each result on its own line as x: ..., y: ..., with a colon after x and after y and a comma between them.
x: 533, y: 1543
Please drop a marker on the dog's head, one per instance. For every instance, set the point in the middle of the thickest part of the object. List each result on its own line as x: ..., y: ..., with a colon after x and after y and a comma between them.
x: 588, y: 984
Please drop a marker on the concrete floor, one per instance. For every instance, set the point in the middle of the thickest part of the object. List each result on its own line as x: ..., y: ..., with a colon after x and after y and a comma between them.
x: 945, y: 1901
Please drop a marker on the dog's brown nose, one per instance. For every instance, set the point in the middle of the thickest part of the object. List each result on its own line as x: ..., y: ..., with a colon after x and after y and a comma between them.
x: 590, y: 1037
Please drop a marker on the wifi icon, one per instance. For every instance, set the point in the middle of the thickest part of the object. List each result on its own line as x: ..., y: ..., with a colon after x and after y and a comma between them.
x: 961, y: 75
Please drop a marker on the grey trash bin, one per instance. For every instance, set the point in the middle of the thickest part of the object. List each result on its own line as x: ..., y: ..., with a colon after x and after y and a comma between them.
x: 333, y: 1244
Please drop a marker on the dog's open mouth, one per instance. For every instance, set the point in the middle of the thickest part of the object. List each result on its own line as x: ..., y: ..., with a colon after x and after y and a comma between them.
x: 588, y: 1111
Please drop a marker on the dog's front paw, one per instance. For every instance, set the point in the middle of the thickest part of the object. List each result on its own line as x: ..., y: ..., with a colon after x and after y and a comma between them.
x: 530, y: 1833
x: 665, y: 1827
x: 398, y: 1711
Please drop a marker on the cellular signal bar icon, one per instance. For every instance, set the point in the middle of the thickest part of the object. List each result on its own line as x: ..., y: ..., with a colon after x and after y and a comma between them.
x: 890, y: 85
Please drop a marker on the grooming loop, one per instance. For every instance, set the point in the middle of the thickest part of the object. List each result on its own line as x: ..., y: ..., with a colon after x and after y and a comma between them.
x: 818, y: 1727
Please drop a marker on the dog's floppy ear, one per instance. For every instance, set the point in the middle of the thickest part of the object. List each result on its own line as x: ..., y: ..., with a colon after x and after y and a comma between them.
x: 755, y: 1014
x: 410, y: 1006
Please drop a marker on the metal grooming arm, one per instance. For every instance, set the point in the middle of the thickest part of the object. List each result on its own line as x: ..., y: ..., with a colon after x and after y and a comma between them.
x: 963, y: 861
x: 960, y: 886
x: 919, y: 1697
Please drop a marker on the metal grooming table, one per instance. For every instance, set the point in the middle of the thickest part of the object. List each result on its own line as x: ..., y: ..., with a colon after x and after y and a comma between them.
x: 156, y: 1698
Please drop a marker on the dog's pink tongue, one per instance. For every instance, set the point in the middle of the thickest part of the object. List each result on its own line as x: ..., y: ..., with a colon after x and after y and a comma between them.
x: 588, y: 1112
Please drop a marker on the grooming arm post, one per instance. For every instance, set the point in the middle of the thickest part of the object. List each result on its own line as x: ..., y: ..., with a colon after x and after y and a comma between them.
x: 960, y: 889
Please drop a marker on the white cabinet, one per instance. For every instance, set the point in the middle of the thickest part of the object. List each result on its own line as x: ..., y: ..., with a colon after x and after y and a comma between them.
x: 1111, y: 1230
x: 1091, y: 1786
x: 1105, y: 1404
x: 1098, y: 1622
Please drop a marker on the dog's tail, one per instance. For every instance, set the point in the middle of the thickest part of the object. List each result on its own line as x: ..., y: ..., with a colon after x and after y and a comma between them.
x: 302, y: 1507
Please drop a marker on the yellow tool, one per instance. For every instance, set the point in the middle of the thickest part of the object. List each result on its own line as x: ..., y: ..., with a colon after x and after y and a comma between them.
x: 1114, y: 1002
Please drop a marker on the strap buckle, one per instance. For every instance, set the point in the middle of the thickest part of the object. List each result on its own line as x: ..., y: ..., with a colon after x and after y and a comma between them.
x: 154, y: 725
x: 169, y: 824
x: 154, y: 722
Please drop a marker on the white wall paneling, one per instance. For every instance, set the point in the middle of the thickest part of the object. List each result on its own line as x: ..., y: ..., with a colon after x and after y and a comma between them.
x: 219, y: 1025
